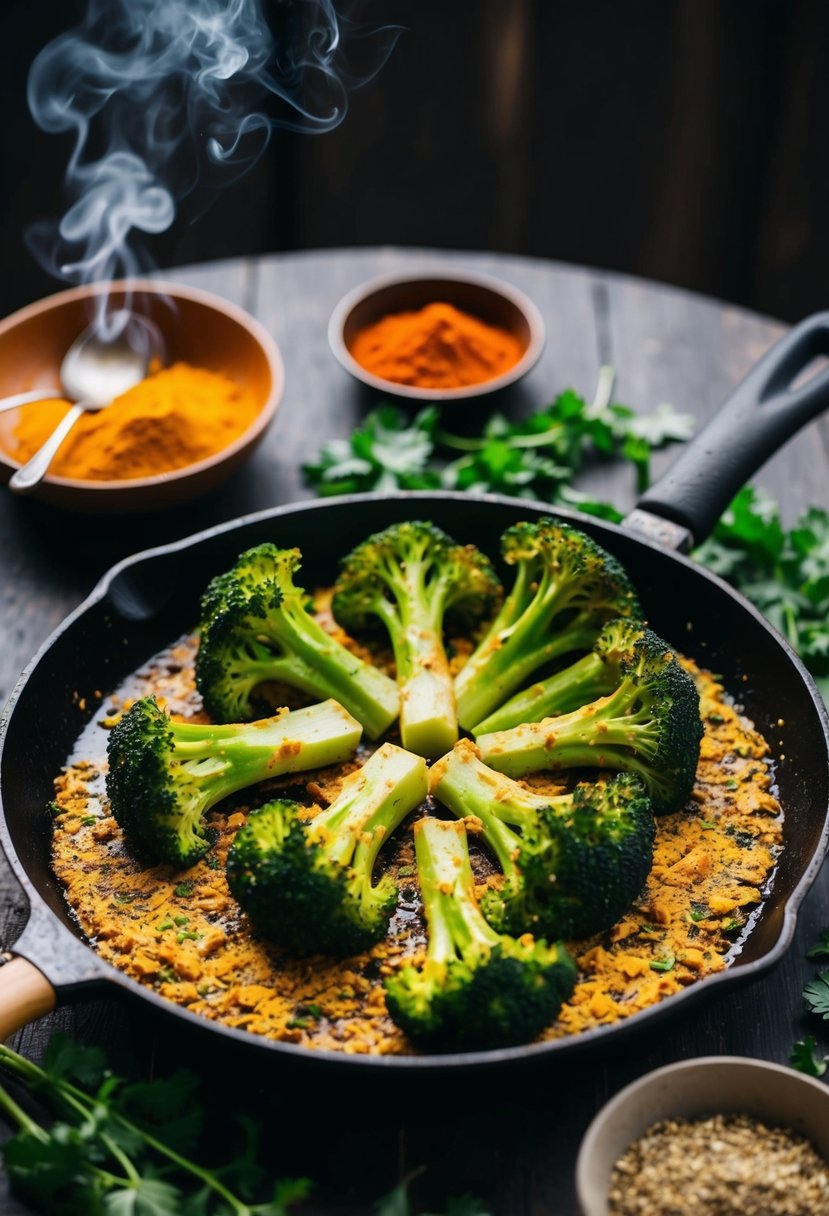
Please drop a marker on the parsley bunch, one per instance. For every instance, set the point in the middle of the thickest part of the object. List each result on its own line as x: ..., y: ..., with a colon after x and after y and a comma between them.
x: 115, y: 1148
x: 535, y: 457
x: 785, y: 573
x: 806, y: 1056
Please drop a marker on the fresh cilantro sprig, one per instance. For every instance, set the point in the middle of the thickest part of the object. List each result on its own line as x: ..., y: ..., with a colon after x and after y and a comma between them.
x: 785, y: 573
x: 123, y: 1149
x: 816, y: 994
x: 806, y: 1057
x: 535, y: 457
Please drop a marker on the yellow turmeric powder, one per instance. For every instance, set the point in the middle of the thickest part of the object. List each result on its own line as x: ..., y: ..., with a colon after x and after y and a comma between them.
x: 172, y: 418
x: 437, y: 347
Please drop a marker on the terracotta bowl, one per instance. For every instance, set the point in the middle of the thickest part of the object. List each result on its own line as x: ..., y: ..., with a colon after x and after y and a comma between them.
x: 694, y: 1089
x: 197, y: 327
x: 488, y: 299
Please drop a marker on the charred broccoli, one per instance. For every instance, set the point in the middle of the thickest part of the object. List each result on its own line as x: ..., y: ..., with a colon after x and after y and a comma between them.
x: 592, y: 676
x: 307, y: 883
x: 566, y: 587
x: 255, y: 627
x: 477, y: 989
x: 164, y: 775
x: 572, y: 864
x: 649, y: 724
x: 410, y: 576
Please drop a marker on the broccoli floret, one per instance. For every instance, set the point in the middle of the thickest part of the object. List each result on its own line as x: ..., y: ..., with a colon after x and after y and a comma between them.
x: 650, y: 725
x: 409, y: 577
x: 592, y: 676
x: 307, y: 883
x: 255, y: 627
x: 477, y: 989
x: 164, y: 775
x: 566, y: 587
x: 572, y: 864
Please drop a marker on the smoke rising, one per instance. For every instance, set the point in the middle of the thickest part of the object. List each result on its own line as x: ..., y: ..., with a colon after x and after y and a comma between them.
x: 159, y: 97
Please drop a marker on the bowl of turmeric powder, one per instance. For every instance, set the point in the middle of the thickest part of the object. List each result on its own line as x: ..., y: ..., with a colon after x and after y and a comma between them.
x: 439, y: 337
x: 199, y: 412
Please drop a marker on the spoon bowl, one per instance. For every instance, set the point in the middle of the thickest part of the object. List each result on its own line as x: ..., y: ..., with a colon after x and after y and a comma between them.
x: 95, y: 370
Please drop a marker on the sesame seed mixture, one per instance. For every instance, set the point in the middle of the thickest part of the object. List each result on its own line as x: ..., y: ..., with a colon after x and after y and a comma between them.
x: 182, y: 933
x: 726, y: 1165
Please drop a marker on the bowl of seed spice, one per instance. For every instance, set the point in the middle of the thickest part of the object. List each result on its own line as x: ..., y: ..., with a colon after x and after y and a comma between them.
x: 713, y: 1136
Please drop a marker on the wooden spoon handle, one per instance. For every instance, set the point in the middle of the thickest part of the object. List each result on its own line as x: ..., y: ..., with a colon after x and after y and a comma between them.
x: 25, y: 994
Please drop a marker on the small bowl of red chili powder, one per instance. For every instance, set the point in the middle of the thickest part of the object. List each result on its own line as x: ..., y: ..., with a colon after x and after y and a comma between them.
x: 439, y: 337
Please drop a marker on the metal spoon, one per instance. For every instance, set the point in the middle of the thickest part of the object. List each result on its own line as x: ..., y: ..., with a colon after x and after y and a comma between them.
x: 94, y: 371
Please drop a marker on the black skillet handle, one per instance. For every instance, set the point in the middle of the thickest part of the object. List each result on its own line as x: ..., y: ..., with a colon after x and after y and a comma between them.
x: 756, y: 420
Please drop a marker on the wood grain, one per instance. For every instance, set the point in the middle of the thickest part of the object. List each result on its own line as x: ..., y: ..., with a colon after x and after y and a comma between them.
x: 510, y: 1140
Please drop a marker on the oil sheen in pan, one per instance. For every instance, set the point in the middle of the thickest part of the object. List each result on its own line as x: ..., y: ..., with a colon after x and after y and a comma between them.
x: 182, y: 933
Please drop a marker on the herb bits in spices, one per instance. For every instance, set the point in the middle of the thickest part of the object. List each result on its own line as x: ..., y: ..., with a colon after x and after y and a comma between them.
x: 438, y: 346
x: 725, y: 1165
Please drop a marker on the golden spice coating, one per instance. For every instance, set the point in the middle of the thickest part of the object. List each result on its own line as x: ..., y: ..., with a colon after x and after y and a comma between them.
x: 183, y: 934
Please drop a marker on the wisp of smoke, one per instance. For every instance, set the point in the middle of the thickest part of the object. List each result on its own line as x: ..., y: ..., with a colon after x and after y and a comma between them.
x: 152, y: 93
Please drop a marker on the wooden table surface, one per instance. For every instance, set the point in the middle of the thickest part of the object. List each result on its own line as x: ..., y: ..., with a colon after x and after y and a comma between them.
x: 510, y: 1142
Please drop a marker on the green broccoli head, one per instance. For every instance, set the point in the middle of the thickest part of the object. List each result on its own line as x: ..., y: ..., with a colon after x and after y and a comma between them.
x: 580, y: 864
x: 409, y: 578
x: 649, y: 724
x: 307, y: 882
x: 566, y: 587
x: 410, y: 573
x: 153, y: 798
x: 477, y: 989
x: 295, y: 894
x: 571, y: 864
x: 255, y: 627
x: 164, y: 775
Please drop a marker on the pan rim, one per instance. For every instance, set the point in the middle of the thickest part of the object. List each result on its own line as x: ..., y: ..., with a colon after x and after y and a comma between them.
x: 104, y: 972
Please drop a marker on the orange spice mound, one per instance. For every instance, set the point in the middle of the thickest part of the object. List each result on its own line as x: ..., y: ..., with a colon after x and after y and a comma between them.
x: 437, y: 347
x: 183, y: 934
x: 173, y: 418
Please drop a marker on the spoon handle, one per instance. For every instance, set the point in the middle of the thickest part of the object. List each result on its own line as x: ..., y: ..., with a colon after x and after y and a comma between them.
x: 36, y: 394
x: 34, y: 470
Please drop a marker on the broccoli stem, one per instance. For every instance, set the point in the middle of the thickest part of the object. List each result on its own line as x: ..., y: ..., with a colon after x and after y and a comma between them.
x: 372, y: 803
x: 589, y: 678
x: 517, y: 644
x: 225, y: 758
x: 603, y: 735
x: 428, y: 714
x: 317, y: 664
x: 457, y: 927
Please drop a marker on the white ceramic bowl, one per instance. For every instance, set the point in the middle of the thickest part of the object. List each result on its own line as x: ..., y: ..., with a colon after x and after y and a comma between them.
x: 708, y: 1085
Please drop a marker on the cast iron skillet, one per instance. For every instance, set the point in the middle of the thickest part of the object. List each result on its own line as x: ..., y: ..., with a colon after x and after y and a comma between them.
x: 147, y: 601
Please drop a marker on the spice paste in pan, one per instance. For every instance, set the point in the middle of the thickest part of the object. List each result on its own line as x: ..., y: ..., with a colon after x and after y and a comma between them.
x: 182, y: 933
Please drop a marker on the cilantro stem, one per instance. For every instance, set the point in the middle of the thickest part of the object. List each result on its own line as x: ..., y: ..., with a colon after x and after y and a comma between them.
x: 8, y: 1104
x: 604, y: 389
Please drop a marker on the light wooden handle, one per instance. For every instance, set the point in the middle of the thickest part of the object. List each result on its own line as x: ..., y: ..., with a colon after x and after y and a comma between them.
x: 25, y: 994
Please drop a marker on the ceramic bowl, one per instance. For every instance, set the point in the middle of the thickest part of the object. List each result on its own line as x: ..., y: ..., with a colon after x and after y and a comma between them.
x: 197, y: 328
x: 697, y: 1088
x: 489, y: 299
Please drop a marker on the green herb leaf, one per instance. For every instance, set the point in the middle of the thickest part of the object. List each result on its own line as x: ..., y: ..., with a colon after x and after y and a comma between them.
x: 821, y: 947
x: 816, y: 994
x: 806, y: 1058
x: 149, y: 1197
x: 64, y: 1059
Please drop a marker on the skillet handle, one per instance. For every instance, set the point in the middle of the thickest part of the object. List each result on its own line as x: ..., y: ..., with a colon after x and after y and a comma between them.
x: 25, y: 994
x: 756, y: 420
